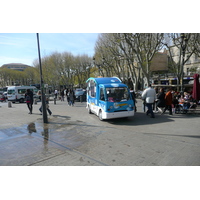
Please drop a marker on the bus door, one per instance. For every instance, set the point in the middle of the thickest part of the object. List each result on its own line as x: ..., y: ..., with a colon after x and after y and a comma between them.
x: 91, y: 96
x: 102, y: 99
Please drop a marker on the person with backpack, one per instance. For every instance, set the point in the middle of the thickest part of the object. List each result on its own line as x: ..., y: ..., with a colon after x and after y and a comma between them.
x: 29, y: 100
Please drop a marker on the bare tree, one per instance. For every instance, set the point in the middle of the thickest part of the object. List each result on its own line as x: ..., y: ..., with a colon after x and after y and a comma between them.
x: 136, y: 50
x: 107, y: 56
x: 145, y: 46
x: 133, y: 71
x: 181, y: 47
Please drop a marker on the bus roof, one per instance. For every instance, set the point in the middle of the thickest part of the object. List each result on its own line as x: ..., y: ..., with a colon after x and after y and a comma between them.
x: 105, y: 80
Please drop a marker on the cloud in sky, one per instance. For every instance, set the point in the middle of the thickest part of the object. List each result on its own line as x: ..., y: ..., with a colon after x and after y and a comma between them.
x: 22, y: 47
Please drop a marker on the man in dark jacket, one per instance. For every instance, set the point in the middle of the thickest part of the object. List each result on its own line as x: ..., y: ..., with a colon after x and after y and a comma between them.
x: 161, y: 100
x: 29, y: 100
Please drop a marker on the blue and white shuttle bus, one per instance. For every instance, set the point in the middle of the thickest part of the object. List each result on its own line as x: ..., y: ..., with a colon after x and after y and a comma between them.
x: 109, y: 98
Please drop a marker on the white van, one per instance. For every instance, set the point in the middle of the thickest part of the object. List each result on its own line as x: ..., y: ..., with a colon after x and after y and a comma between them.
x: 17, y: 93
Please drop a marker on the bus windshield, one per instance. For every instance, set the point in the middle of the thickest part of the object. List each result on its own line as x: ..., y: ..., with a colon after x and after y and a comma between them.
x: 117, y: 94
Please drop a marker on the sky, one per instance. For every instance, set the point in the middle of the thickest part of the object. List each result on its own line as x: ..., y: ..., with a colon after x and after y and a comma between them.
x: 72, y: 28
x: 22, y: 47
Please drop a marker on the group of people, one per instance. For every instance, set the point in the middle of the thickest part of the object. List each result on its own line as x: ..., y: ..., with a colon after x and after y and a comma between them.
x: 160, y: 102
x: 29, y: 102
x: 176, y: 101
x: 69, y: 93
x: 70, y: 96
x: 169, y: 100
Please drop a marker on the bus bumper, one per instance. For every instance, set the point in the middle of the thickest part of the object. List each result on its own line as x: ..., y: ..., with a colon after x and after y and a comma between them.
x: 106, y: 115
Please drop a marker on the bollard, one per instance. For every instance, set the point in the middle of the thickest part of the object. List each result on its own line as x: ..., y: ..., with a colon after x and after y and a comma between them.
x: 9, y: 104
x: 54, y: 100
x: 35, y: 101
x: 81, y: 98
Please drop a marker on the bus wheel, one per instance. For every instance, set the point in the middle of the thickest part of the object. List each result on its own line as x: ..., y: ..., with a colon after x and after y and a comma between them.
x: 89, y: 111
x: 100, y: 115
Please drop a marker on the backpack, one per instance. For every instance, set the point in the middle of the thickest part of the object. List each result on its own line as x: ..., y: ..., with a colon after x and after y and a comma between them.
x: 28, y: 99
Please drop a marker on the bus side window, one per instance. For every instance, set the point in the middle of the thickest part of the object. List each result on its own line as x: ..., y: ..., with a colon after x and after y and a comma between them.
x: 102, y: 97
x: 92, y: 88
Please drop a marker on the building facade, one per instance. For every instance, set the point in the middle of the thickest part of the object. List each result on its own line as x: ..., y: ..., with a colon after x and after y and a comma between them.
x: 165, y: 78
x: 13, y: 80
x: 15, y: 66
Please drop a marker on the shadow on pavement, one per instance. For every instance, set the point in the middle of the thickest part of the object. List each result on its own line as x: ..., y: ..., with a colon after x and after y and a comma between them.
x: 188, y: 136
x: 142, y: 119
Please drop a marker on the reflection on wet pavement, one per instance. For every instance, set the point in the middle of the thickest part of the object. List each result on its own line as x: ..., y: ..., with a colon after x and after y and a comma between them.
x: 31, y: 128
x: 37, y: 141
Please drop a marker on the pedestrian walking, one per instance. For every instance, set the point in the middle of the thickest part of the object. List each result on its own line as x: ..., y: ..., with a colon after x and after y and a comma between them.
x: 134, y: 98
x: 47, y: 106
x: 29, y: 100
x: 168, y: 102
x: 71, y: 97
x: 161, y: 100
x: 67, y: 96
x: 149, y: 95
x: 62, y: 94
x: 56, y: 94
x: 155, y: 109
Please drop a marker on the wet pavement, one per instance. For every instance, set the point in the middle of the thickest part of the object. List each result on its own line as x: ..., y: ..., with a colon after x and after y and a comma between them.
x: 31, y: 143
x: 74, y: 138
x: 23, y: 142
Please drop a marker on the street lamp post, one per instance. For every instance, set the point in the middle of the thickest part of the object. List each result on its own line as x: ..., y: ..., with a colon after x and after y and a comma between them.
x: 184, y: 41
x: 44, y: 111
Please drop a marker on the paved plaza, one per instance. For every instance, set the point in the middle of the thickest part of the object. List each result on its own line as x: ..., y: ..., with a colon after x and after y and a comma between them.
x: 74, y: 138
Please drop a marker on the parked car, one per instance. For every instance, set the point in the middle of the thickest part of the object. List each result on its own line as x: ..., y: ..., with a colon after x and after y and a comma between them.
x: 2, y: 98
x: 80, y: 95
x: 5, y: 94
x: 78, y: 89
